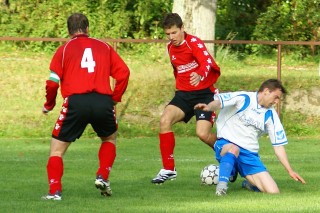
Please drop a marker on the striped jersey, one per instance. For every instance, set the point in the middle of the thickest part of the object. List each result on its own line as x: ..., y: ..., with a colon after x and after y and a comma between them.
x: 192, y: 56
x: 242, y: 121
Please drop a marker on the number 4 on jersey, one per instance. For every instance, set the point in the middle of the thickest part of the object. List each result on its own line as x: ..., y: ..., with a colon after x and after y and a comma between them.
x: 87, y: 60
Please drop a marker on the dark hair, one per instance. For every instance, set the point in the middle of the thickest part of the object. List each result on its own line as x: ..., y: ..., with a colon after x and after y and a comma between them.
x: 172, y: 19
x: 77, y: 22
x: 272, y: 84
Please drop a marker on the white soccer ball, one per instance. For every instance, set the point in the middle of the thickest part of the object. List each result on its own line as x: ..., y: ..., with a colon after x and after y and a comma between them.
x: 210, y: 175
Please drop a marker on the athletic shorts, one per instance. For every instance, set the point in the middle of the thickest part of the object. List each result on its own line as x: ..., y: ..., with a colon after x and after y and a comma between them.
x: 247, y: 163
x: 187, y: 100
x: 82, y: 109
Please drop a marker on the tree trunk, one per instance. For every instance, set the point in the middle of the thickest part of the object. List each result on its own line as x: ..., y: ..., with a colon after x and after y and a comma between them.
x: 199, y: 18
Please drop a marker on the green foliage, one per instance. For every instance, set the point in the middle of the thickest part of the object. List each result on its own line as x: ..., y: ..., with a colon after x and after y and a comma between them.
x: 295, y: 20
x: 272, y: 20
x: 238, y: 17
x: 108, y: 19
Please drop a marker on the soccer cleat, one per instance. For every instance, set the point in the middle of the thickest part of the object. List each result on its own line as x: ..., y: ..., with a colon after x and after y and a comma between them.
x: 247, y: 185
x: 164, y: 175
x: 104, y: 186
x: 55, y: 196
x: 221, y: 191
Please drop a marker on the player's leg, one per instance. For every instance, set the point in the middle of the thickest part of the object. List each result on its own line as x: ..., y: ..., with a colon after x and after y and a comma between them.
x: 264, y: 182
x: 55, y: 168
x: 226, y: 154
x: 205, y: 120
x: 69, y: 126
x: 106, y: 155
x: 204, y: 132
x: 103, y: 121
x: 171, y: 115
x: 258, y: 178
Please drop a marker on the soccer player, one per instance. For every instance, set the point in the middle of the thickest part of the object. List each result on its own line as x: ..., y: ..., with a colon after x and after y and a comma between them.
x: 83, y: 67
x: 243, y: 118
x: 195, y: 73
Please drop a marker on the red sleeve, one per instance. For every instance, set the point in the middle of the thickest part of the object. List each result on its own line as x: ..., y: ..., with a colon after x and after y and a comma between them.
x: 120, y: 72
x: 51, y: 94
x: 204, y: 59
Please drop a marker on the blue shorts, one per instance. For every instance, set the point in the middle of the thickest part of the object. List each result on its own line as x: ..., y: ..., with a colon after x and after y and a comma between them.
x: 247, y: 163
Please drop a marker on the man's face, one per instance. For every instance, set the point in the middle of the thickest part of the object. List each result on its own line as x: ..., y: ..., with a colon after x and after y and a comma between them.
x: 270, y: 98
x: 175, y: 35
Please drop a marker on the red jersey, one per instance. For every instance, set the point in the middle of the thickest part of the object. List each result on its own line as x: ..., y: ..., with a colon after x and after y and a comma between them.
x: 192, y: 56
x: 85, y: 65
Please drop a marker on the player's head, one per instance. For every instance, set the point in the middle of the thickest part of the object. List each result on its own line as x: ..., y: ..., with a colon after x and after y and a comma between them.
x: 77, y: 24
x: 172, y: 19
x: 173, y: 27
x: 270, y: 92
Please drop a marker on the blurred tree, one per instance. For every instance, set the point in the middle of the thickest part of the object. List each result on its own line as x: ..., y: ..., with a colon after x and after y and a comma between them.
x: 199, y: 17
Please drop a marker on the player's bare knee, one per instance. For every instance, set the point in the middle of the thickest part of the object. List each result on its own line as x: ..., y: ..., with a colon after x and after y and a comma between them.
x: 203, y: 136
x: 234, y: 149
x: 165, y: 124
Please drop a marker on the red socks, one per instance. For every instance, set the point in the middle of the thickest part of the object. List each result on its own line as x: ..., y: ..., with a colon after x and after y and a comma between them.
x: 167, y: 143
x: 107, y: 155
x: 55, y: 172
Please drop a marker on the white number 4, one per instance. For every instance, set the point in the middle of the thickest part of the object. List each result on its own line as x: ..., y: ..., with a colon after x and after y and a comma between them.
x: 87, y: 60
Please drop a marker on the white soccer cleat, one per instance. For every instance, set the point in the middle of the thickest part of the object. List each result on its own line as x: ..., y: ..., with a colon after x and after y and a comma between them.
x: 104, y: 186
x: 164, y: 175
x: 55, y: 196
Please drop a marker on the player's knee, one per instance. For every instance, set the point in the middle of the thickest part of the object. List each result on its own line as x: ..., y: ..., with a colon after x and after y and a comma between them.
x: 203, y: 136
x: 165, y: 123
x: 234, y: 150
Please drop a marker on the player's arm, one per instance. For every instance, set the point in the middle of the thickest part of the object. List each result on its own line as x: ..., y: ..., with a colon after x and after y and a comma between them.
x: 283, y: 158
x: 204, y: 59
x: 120, y: 72
x: 52, y: 85
x: 212, y: 106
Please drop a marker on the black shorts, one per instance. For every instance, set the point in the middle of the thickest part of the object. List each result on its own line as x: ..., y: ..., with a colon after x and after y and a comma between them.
x: 187, y: 100
x: 82, y: 109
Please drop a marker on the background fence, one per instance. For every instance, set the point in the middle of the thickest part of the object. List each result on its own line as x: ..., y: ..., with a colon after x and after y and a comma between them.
x: 115, y: 42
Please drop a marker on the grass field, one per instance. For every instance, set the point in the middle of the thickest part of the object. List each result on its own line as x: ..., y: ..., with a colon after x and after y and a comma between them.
x: 151, y: 87
x: 23, y: 161
x: 23, y: 179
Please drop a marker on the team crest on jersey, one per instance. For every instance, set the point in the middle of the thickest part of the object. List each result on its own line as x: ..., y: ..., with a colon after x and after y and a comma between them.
x: 173, y: 58
x: 280, y: 135
x: 226, y: 96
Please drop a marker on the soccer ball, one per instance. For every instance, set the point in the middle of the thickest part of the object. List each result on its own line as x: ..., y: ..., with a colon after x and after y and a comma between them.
x: 210, y: 175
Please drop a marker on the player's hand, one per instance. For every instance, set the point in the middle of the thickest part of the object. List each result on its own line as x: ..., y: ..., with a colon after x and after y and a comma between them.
x: 45, y: 111
x: 295, y: 176
x: 203, y: 107
x: 195, y: 79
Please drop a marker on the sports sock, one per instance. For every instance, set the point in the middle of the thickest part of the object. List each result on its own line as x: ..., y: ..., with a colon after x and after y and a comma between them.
x: 226, y: 166
x: 107, y: 155
x: 55, y: 172
x: 167, y: 143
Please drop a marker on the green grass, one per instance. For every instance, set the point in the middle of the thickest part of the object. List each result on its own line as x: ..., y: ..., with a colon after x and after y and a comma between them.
x: 23, y: 179
x: 150, y: 88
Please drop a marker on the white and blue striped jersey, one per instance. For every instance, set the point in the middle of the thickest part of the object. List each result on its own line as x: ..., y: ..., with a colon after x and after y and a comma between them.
x: 242, y: 121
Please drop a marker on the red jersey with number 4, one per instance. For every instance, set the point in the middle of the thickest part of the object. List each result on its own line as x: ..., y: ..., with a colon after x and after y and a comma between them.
x: 86, y: 64
x: 192, y: 56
